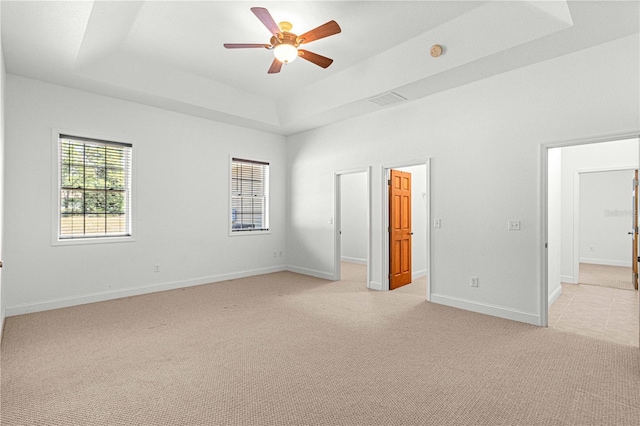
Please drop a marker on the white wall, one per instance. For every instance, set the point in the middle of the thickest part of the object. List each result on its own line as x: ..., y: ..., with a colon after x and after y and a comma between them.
x: 2, y: 91
x: 606, y: 218
x: 584, y: 158
x: 554, y: 224
x: 353, y: 217
x: 181, y: 172
x: 484, y: 143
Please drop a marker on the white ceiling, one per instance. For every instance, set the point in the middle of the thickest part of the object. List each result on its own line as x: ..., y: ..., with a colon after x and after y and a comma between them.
x: 169, y: 53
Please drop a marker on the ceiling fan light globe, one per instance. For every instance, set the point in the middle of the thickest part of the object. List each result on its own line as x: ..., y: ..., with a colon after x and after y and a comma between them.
x: 285, y: 53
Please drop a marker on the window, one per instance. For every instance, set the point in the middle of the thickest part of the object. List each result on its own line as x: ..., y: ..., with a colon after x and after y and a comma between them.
x: 249, y: 196
x: 94, y: 188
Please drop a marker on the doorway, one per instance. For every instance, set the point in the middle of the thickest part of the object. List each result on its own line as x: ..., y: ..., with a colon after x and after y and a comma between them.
x: 420, y: 213
x: 605, y: 237
x: 589, y: 215
x: 352, y: 228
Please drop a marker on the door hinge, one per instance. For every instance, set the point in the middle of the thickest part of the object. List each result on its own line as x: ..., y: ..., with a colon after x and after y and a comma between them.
x: 635, y: 182
x: 389, y: 182
x: 546, y: 245
x: 388, y: 229
x: 389, y: 276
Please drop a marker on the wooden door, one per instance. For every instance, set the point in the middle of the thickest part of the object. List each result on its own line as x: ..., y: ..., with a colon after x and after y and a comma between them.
x: 634, y: 231
x: 399, y: 229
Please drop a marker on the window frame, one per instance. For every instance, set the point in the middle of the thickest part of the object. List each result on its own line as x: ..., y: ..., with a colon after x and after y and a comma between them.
x: 55, y: 191
x: 267, y: 187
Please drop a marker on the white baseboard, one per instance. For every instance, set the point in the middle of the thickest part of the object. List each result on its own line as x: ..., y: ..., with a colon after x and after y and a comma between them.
x: 2, y: 317
x: 64, y: 302
x: 311, y: 272
x: 353, y: 260
x: 554, y: 295
x: 373, y: 285
x: 483, y: 308
x: 607, y: 262
x: 418, y: 274
x: 568, y: 279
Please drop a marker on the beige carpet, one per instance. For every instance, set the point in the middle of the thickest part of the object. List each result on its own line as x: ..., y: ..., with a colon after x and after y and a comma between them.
x: 284, y: 349
x: 606, y: 276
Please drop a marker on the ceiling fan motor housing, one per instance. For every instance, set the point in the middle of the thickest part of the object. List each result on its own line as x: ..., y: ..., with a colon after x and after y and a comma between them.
x: 287, y: 38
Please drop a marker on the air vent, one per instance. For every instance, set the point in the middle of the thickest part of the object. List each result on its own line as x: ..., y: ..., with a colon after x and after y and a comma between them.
x: 387, y: 99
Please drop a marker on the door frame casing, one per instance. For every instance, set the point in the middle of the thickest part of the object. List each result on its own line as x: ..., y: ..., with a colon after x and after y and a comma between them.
x: 337, y: 228
x: 543, y: 319
x: 384, y: 188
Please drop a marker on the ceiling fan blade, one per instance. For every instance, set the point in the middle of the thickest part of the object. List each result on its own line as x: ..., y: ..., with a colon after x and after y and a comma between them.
x: 267, y: 20
x: 325, y: 30
x: 275, y: 67
x: 321, y: 61
x: 244, y: 45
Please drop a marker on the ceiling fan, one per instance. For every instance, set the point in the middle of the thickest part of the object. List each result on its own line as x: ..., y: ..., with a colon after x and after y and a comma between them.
x: 285, y: 43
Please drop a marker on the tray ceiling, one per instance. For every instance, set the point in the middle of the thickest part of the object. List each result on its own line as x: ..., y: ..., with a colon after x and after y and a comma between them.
x: 169, y: 53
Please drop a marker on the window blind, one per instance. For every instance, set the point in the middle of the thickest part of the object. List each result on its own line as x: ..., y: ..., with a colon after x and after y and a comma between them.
x: 95, y: 188
x: 249, y: 195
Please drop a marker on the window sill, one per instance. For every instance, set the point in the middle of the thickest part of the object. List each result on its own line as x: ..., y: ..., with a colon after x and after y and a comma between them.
x: 85, y: 241
x: 240, y: 233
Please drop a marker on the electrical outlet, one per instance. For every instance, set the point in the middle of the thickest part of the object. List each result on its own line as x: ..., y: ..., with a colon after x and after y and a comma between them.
x: 280, y: 254
x: 474, y: 281
x: 514, y: 225
x: 275, y: 254
x: 156, y: 267
x: 592, y: 248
